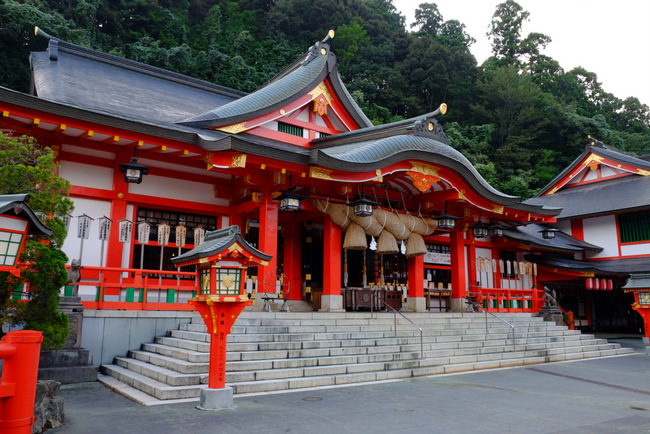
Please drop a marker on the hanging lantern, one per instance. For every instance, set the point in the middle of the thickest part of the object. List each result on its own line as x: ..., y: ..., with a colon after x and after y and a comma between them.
x: 199, y: 235
x: 479, y: 230
x: 363, y: 207
x: 290, y: 200
x: 589, y: 283
x: 548, y: 232
x: 133, y: 171
x: 125, y: 228
x: 603, y: 284
x: 596, y: 284
x: 495, y: 231
x: 83, y: 226
x: 610, y: 284
x: 144, y: 229
x: 66, y: 220
x: 104, y: 228
x: 163, y: 234
x: 446, y: 220
x: 181, y: 232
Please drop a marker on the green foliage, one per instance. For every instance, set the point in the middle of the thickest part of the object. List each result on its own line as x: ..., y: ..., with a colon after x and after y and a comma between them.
x: 540, y: 115
x: 26, y: 167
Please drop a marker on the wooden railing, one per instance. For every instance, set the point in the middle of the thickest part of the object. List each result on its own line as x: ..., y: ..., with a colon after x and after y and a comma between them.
x: 508, y: 300
x: 135, y: 289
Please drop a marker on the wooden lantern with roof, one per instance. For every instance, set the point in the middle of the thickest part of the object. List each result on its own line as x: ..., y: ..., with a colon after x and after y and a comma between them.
x: 221, y: 262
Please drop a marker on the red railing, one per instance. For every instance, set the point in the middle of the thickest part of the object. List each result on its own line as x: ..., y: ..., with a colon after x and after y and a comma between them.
x: 135, y: 289
x: 508, y: 300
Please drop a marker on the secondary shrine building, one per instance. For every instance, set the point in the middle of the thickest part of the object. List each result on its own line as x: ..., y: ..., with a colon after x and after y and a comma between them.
x: 355, y: 216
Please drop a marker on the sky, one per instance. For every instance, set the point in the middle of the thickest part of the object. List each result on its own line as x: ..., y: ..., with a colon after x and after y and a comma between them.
x: 608, y: 38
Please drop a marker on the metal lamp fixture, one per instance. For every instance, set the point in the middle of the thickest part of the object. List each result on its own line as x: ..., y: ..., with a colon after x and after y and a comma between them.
x: 289, y: 199
x: 133, y: 171
x: 548, y: 232
x: 446, y: 220
x: 495, y: 231
x: 479, y: 230
x: 363, y: 206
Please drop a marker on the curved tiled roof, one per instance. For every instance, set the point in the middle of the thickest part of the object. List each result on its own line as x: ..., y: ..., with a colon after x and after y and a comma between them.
x: 289, y: 85
x: 8, y: 204
x: 600, y: 149
x: 367, y: 155
x: 266, y: 98
x: 215, y: 242
x: 530, y: 235
x: 607, y: 266
x: 92, y: 80
x: 606, y: 197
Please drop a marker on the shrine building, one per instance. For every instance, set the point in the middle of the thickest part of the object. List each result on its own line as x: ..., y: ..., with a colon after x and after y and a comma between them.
x: 354, y: 215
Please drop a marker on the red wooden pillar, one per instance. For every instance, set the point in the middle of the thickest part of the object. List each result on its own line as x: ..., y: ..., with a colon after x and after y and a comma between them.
x: 292, y: 258
x: 458, y: 279
x: 471, y: 261
x: 416, y: 301
x: 233, y: 219
x: 268, y: 242
x: 332, y: 299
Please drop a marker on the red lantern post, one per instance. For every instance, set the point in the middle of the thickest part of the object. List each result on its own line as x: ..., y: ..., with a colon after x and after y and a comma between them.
x: 221, y: 262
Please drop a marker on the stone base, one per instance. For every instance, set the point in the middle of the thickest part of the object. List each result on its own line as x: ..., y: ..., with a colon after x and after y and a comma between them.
x: 553, y: 314
x: 67, y: 366
x: 459, y: 305
x: 416, y: 304
x: 216, y: 399
x: 331, y: 303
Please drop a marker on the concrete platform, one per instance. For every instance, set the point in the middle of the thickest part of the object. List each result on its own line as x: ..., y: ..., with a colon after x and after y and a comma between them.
x: 604, y: 395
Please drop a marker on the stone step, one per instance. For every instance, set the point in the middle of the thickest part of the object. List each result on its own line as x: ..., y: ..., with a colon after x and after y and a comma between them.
x: 270, y: 351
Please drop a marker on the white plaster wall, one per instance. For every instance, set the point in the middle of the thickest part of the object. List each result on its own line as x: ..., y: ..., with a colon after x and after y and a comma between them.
x: 86, y: 175
x: 91, y: 246
x: 635, y: 249
x: 601, y: 231
x: 172, y: 188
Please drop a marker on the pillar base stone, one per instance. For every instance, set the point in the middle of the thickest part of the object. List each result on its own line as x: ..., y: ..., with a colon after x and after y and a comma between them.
x: 416, y: 304
x: 459, y: 305
x: 331, y: 303
x: 216, y: 399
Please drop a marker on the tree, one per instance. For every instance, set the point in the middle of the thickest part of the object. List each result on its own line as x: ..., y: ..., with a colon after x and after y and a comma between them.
x: 26, y: 167
x: 428, y: 19
x: 505, y: 31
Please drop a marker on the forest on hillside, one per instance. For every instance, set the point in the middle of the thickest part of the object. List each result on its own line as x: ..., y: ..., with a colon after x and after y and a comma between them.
x: 519, y: 117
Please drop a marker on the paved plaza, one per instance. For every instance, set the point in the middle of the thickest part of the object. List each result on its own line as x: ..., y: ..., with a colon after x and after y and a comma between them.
x: 606, y: 395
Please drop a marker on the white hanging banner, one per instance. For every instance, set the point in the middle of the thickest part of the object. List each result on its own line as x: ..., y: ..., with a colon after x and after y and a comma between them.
x: 67, y: 219
x: 163, y: 234
x: 181, y: 232
x: 143, y: 232
x: 126, y: 229
x: 83, y: 227
x: 199, y: 235
x: 104, y: 228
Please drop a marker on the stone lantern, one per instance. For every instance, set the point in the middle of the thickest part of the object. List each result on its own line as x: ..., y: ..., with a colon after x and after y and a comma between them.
x: 221, y: 262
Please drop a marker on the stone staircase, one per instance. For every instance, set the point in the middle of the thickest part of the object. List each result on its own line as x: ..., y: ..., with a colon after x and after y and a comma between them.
x: 273, y: 351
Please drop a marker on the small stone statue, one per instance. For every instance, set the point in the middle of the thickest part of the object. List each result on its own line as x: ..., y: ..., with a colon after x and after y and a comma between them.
x: 549, y: 297
x: 74, y: 276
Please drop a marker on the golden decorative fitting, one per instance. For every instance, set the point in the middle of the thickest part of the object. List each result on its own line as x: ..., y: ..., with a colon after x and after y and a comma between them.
x: 423, y: 168
x: 234, y: 128
x: 320, y: 173
x: 238, y: 160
